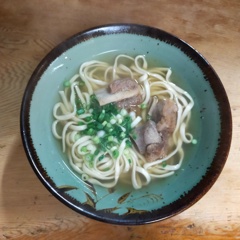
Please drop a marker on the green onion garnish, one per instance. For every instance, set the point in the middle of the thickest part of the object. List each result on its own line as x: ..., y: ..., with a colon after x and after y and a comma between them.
x: 96, y: 140
x: 88, y: 157
x: 101, y: 157
x: 84, y: 149
x: 89, y: 118
x: 91, y: 131
x: 66, y: 84
x: 115, y: 154
x: 80, y: 111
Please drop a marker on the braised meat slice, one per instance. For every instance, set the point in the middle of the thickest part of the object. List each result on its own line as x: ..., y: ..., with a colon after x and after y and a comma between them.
x: 155, y: 151
x: 151, y: 134
x: 132, y: 101
x: 150, y: 142
x: 155, y: 110
x: 122, y: 91
x: 168, y: 117
x: 152, y: 138
x: 121, y: 85
x: 139, y: 138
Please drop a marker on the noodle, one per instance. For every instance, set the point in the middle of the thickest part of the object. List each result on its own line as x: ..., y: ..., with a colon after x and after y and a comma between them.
x: 105, y: 165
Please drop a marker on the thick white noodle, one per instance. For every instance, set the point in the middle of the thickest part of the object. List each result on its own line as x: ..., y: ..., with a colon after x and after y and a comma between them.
x: 107, y: 171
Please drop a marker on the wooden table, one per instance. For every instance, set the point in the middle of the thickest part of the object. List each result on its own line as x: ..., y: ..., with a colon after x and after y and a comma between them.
x: 28, y: 31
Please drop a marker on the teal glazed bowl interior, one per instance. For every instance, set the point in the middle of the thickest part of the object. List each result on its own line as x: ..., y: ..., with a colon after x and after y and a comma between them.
x: 211, y: 126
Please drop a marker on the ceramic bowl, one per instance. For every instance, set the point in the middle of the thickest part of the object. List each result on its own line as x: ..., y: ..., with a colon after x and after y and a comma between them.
x: 123, y: 205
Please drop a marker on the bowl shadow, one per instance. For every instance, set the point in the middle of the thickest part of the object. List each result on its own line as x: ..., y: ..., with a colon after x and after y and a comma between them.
x: 29, y: 209
x: 26, y: 203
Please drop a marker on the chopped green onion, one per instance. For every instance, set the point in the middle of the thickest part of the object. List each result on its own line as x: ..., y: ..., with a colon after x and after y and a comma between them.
x: 110, y: 145
x: 134, y: 136
x: 113, y: 121
x: 99, y: 126
x: 101, y: 116
x: 128, y: 126
x: 96, y: 140
x: 101, y: 133
x: 108, y: 117
x: 88, y: 157
x: 128, y: 143
x: 164, y: 164
x: 123, y: 135
x: 143, y: 106
x: 80, y: 111
x: 123, y: 129
x: 120, y: 120
x: 95, y: 115
x: 101, y: 157
x: 110, y: 130
x: 110, y: 138
x: 123, y: 112
x: 119, y: 116
x: 111, y: 108
x: 113, y: 148
x: 194, y: 141
x: 89, y: 118
x: 91, y: 125
x: 115, y: 154
x: 78, y: 101
x: 91, y: 148
x: 132, y: 115
x: 104, y: 123
x: 128, y: 119
x: 66, y: 83
x: 91, y: 131
x: 102, y: 146
x: 97, y: 151
x: 149, y: 117
x: 93, y: 97
x: 84, y: 149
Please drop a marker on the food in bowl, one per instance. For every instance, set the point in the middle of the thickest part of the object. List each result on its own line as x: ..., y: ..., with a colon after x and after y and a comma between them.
x: 128, y: 203
x: 123, y: 121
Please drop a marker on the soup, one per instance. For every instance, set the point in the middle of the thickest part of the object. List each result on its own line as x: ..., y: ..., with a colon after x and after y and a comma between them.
x: 123, y: 120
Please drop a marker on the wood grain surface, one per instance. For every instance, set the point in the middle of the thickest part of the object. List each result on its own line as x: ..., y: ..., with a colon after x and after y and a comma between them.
x: 28, y: 31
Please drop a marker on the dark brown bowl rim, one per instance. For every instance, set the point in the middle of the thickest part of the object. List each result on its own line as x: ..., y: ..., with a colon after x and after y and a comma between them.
x: 190, y: 197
